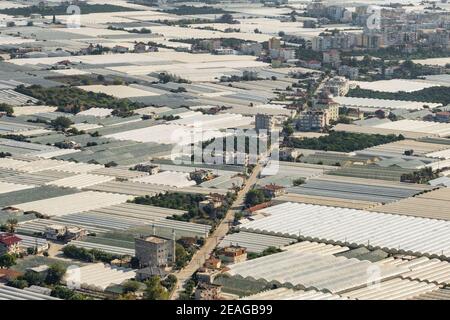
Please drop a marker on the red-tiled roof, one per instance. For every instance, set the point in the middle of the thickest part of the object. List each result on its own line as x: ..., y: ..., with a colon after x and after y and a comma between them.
x: 9, y: 274
x: 273, y: 187
x: 260, y: 206
x: 9, y: 239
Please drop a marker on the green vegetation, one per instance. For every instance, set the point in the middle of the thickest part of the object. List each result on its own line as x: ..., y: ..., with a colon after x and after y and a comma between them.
x: 189, y: 202
x: 6, y: 108
x: 307, y: 54
x: 93, y: 255
x: 191, y: 10
x: 16, y: 137
x: 74, y: 100
x: 180, y: 201
x: 343, y: 141
x: 155, y: 290
x: 131, y: 286
x: 165, y: 77
x: 432, y: 94
x: 188, y: 290
x: 62, y: 9
x: 298, y: 182
x: 266, y: 252
x: 67, y: 294
x: 169, y: 282
x: 254, y: 197
x: 7, y: 261
x: 61, y: 123
x: 52, y: 277
x: 55, y: 273
x: 422, y: 176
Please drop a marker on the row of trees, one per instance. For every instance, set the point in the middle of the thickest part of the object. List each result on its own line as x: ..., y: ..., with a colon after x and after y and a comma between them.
x: 431, y: 94
x: 61, y: 9
x: 74, y: 100
x: 343, y: 141
x: 87, y: 255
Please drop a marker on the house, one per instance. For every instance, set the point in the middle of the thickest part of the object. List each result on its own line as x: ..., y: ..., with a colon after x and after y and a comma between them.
x: 289, y: 154
x: 75, y: 233
x: 312, y: 64
x: 55, y: 232
x: 273, y: 190
x: 63, y: 233
x: 443, y: 116
x: 259, y: 206
x: 201, y: 175
x: 120, y: 49
x: 140, y: 47
x: 207, y: 291
x: 9, y: 243
x: 233, y: 254
x: 147, y: 167
x: 206, y: 275
x: 213, y: 263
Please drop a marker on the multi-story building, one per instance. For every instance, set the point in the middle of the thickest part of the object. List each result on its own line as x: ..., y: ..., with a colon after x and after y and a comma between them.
x: 282, y: 54
x: 254, y: 49
x: 337, y: 86
x: 264, y: 122
x: 155, y: 251
x: 349, y: 72
x: 313, y: 120
x: 333, y: 57
x: 274, y: 43
x: 233, y: 254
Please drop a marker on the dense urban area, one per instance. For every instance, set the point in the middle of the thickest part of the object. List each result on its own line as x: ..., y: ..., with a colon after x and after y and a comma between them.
x: 224, y: 150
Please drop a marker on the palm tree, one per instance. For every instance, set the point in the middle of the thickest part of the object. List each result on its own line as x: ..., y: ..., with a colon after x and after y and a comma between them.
x: 11, y: 224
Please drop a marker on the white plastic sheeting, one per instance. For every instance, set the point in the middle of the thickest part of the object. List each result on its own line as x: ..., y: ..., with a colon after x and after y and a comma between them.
x: 73, y: 203
x: 313, y: 271
x: 99, y: 276
x: 360, y: 227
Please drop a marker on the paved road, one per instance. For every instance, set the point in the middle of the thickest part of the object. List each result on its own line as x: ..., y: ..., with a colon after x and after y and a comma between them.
x: 222, y: 229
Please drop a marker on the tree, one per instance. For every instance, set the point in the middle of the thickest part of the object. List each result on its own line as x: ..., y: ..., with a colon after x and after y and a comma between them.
x: 6, y: 108
x: 226, y: 18
x: 33, y: 278
x: 254, y: 197
x: 67, y: 294
x: 154, y: 290
x: 7, y: 261
x: 131, y: 286
x: 298, y: 182
x: 61, y: 123
x: 55, y: 273
x: 11, y: 224
x: 182, y: 257
x: 18, y: 283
